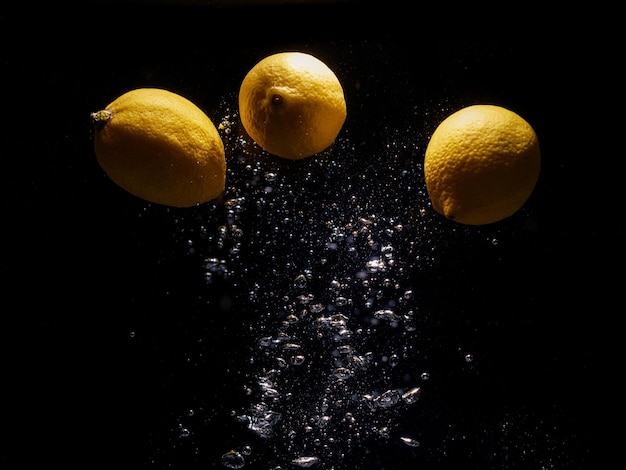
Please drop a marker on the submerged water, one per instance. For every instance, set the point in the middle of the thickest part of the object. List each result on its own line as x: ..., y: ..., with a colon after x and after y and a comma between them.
x: 336, y: 243
x: 332, y: 265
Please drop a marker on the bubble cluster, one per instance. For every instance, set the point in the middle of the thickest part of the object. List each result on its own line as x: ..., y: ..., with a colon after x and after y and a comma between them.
x: 335, y: 241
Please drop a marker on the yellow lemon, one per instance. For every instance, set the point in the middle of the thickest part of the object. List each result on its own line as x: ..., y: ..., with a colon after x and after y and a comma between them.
x: 481, y: 164
x: 292, y: 105
x: 160, y: 147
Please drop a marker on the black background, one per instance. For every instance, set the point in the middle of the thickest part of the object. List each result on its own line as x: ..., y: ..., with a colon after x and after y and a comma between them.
x: 104, y: 298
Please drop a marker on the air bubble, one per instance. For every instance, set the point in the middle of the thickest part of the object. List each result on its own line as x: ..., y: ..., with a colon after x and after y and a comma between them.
x: 297, y: 360
x: 300, y: 281
x: 387, y: 399
x: 410, y: 442
x: 233, y: 459
x: 305, y: 462
x: 412, y: 395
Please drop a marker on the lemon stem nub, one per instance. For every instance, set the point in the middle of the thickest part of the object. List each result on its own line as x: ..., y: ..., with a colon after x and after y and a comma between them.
x: 101, y: 118
x: 277, y: 99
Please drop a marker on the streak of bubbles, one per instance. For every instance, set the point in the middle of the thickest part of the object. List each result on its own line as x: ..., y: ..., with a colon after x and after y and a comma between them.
x: 325, y: 256
x: 335, y: 362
